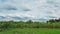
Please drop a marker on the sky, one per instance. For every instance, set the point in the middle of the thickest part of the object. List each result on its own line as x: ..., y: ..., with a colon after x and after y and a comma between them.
x: 36, y: 10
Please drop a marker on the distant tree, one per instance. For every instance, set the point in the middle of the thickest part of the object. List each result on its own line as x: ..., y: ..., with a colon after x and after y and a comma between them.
x: 51, y: 21
x: 29, y: 21
x: 21, y: 21
x: 59, y: 20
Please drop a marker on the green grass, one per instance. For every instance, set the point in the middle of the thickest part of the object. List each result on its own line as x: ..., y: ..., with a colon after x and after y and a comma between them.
x: 30, y: 31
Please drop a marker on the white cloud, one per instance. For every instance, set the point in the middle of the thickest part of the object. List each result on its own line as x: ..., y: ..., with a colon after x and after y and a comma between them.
x: 36, y: 9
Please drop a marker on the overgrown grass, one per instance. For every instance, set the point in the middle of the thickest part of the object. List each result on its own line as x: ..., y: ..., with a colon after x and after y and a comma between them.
x: 31, y: 31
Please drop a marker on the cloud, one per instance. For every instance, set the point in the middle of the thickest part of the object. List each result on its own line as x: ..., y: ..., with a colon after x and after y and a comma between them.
x: 39, y: 10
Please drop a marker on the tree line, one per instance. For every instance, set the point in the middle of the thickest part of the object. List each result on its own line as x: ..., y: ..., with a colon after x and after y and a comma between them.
x: 52, y: 23
x: 54, y: 20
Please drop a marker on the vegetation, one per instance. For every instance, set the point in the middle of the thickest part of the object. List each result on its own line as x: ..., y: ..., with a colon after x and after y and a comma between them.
x: 29, y: 25
x: 53, y: 23
x: 31, y: 31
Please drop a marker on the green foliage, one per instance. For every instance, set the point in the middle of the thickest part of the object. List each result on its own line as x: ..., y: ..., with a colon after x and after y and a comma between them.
x: 53, y: 21
x: 29, y: 24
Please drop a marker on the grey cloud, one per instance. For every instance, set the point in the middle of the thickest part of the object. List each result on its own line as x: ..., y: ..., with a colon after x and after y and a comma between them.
x: 26, y: 9
x: 54, y: 3
x: 10, y: 8
x: 51, y: 16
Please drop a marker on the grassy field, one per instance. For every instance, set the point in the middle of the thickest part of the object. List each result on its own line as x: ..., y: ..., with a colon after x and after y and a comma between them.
x: 30, y: 31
